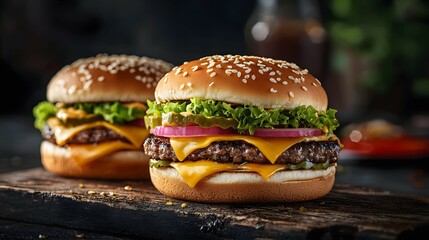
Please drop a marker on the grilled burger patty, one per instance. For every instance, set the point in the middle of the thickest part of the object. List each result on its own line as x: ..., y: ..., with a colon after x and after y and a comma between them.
x: 240, y: 151
x: 93, y: 135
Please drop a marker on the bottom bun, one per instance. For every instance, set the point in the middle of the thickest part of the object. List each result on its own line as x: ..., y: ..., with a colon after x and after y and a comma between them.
x: 234, y: 187
x: 119, y: 165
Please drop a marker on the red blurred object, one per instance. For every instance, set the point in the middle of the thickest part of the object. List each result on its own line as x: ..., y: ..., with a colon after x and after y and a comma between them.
x: 397, y: 147
x: 379, y: 138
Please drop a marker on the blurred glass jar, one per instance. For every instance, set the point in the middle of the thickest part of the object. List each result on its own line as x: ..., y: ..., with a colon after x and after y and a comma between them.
x: 290, y: 30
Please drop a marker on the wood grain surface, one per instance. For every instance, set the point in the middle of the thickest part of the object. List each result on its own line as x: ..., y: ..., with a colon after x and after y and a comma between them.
x: 48, y: 205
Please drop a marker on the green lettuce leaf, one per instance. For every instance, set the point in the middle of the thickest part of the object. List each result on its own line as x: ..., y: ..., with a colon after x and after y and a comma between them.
x: 251, y: 117
x: 42, y: 112
x: 113, y: 112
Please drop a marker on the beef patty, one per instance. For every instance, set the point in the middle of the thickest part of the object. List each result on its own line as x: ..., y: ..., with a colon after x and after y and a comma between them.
x: 240, y: 151
x: 93, y: 135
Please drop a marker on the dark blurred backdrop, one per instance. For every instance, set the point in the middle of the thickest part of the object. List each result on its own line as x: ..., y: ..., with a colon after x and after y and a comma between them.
x: 372, y: 56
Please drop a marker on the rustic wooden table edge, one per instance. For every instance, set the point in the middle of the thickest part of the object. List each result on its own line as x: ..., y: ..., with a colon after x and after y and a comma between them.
x: 135, y: 209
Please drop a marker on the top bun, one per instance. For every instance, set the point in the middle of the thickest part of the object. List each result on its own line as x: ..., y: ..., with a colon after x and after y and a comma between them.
x: 106, y: 78
x: 262, y: 82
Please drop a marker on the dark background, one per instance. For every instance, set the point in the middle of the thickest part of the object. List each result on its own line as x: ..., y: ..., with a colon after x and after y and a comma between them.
x: 39, y: 37
x: 371, y: 56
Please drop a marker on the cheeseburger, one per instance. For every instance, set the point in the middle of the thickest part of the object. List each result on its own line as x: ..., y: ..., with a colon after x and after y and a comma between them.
x: 241, y: 129
x: 92, y: 122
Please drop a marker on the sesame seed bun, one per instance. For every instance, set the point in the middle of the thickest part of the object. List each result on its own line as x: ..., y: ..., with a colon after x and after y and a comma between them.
x: 234, y: 187
x: 240, y: 80
x: 106, y: 78
x: 262, y: 82
x: 119, y: 165
x: 99, y: 79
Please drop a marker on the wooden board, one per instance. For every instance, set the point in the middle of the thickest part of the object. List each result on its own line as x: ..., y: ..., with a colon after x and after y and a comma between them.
x: 106, y: 209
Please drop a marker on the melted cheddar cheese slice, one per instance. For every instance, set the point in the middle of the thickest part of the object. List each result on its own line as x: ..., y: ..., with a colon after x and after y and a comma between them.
x: 272, y: 148
x: 193, y: 172
x: 84, y: 153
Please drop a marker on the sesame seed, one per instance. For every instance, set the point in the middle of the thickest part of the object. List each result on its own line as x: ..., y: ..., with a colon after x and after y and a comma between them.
x: 218, y: 66
x: 291, y: 94
x: 87, y: 84
x: 148, y: 85
x: 185, y: 74
x: 238, y: 74
x: 128, y: 188
x: 90, y: 192
x: 183, y: 205
x: 228, y: 72
x: 229, y: 66
x: 247, y: 76
x: 260, y: 71
x: 278, y: 72
x: 194, y: 68
x: 189, y: 84
x: 80, y: 185
x: 72, y: 89
x: 291, y: 77
x: 212, y: 74
x: 100, y: 78
x: 273, y: 90
x: 278, y: 79
x: 182, y: 86
x: 211, y: 84
x: 165, y: 80
x: 138, y: 77
x: 102, y: 193
x: 253, y: 77
x: 304, y: 88
x: 248, y: 70
x: 211, y: 65
x: 272, y: 73
x: 273, y: 80
x: 209, y: 70
x: 244, y: 80
x: 284, y: 83
x: 111, y: 193
x: 204, y: 63
x: 314, y: 84
x: 318, y: 81
x: 169, y: 203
